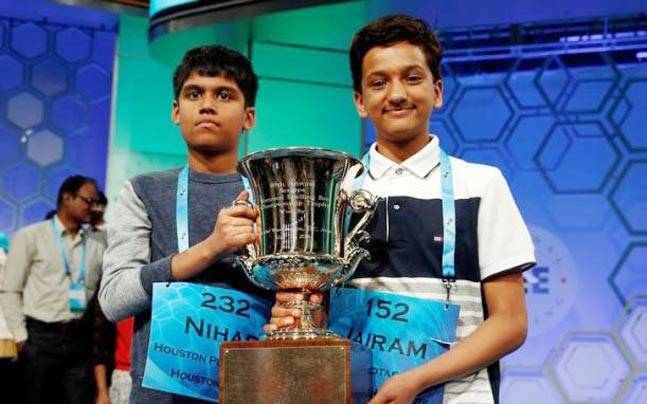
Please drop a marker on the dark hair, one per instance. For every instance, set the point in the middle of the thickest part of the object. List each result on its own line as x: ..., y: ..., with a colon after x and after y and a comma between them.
x: 101, y: 199
x: 216, y: 60
x: 71, y: 185
x: 390, y: 30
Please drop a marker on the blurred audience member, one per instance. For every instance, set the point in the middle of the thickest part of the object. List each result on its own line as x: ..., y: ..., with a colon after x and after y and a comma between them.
x: 52, y: 270
x: 98, y: 211
x: 8, y: 377
x: 112, y: 359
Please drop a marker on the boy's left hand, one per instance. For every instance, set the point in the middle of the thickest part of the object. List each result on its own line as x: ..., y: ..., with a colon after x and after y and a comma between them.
x: 399, y: 389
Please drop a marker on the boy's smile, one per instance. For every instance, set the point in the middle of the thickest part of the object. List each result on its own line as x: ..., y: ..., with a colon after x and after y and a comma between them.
x: 398, y: 93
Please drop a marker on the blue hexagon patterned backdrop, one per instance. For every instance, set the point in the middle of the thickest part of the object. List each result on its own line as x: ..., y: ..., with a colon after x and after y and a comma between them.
x: 567, y: 132
x: 55, y: 94
x: 570, y: 137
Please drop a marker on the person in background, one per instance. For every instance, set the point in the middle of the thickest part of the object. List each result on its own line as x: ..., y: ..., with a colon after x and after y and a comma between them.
x: 121, y: 383
x: 53, y: 269
x: 97, y: 220
x: 111, y: 354
x: 8, y: 375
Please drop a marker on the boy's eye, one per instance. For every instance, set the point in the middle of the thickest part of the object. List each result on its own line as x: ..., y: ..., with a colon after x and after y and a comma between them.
x: 377, y: 83
x: 223, y: 96
x: 193, y: 94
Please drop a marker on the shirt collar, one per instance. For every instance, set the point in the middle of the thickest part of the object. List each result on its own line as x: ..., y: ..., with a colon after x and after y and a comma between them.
x: 63, y: 231
x: 420, y: 164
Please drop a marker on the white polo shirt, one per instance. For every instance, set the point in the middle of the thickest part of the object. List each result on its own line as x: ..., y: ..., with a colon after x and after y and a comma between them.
x: 491, y: 238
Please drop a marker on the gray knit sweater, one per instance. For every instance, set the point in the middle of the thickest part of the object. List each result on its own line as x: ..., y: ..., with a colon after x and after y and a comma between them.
x: 141, y: 241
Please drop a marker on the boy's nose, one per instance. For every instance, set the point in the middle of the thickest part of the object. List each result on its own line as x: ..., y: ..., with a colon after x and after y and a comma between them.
x: 397, y: 93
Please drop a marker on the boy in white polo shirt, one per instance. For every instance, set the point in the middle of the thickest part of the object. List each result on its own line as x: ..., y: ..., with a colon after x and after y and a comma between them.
x: 395, y: 63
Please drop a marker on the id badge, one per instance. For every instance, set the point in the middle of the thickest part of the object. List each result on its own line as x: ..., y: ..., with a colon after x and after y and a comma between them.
x: 401, y: 332
x: 78, y: 301
x: 189, y: 323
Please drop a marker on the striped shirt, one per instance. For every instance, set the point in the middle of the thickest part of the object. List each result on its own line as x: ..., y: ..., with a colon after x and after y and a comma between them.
x: 406, y: 243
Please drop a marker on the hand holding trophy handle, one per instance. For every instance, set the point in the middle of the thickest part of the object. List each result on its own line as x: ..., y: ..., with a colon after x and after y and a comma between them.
x: 250, y: 252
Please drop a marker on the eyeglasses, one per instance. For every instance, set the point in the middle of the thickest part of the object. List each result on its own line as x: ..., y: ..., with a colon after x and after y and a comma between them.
x: 88, y: 200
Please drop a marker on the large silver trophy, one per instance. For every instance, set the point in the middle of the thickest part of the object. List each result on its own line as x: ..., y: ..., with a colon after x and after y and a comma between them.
x: 304, y: 197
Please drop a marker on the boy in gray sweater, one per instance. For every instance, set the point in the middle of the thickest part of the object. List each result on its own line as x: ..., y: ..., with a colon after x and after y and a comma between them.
x: 215, y: 90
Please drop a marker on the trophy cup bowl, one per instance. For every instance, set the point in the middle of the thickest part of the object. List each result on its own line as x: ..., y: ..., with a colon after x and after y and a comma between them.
x: 305, y: 198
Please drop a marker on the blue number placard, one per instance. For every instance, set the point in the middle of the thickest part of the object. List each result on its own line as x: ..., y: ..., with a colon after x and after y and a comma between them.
x: 189, y: 323
x: 402, y: 332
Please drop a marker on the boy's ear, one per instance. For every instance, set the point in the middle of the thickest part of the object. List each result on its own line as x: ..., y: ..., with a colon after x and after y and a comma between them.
x: 250, y: 118
x: 175, y: 113
x: 438, y: 94
x: 359, y: 104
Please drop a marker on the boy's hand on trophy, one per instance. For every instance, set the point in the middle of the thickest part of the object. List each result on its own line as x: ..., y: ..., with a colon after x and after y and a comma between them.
x: 286, y: 316
x: 234, y: 227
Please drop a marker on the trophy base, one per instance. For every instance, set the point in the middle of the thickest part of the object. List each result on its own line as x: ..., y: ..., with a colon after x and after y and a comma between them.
x: 285, y: 371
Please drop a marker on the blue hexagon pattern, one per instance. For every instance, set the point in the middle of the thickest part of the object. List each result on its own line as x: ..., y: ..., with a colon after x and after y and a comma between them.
x: 523, y: 90
x: 634, y: 330
x: 637, y: 391
x: 527, y: 135
x: 629, y: 197
x: 589, y: 367
x: 589, y: 96
x: 492, y: 108
x: 7, y: 215
x: 45, y: 147
x: 25, y: 110
x: 629, y: 276
x: 523, y: 385
x: 552, y: 80
x: 49, y: 77
x: 54, y: 178
x: 36, y: 210
x: 9, y: 145
x: 11, y: 72
x: 491, y: 156
x: 565, y: 158
x: 40, y: 60
x: 93, y: 82
x: 69, y: 113
x: 73, y: 45
x: 29, y: 39
x: 632, y: 126
x: 21, y: 180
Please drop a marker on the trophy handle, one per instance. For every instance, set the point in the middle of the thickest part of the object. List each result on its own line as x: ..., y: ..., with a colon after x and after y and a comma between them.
x: 360, y: 201
x: 249, y: 254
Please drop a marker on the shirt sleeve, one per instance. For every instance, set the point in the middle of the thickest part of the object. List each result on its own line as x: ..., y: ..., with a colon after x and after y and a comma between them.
x: 128, y: 274
x: 503, y: 238
x: 11, y: 292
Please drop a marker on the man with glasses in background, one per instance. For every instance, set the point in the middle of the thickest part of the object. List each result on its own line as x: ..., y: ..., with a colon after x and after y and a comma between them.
x: 52, y: 271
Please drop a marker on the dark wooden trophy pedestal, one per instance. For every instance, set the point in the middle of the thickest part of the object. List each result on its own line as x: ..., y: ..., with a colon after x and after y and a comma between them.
x: 286, y: 372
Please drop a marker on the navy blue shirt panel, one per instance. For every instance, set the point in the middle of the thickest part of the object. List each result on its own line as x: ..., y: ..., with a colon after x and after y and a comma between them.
x: 413, y: 246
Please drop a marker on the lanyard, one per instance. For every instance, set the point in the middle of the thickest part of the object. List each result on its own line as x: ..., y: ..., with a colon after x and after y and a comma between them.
x: 182, y: 207
x: 80, y: 276
x: 449, y: 213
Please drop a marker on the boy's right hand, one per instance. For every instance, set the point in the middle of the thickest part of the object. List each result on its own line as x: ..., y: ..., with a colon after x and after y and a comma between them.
x: 284, y: 317
x: 234, y: 227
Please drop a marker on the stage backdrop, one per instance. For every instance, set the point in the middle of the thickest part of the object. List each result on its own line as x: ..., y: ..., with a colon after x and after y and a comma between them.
x: 568, y: 134
x: 55, y: 94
